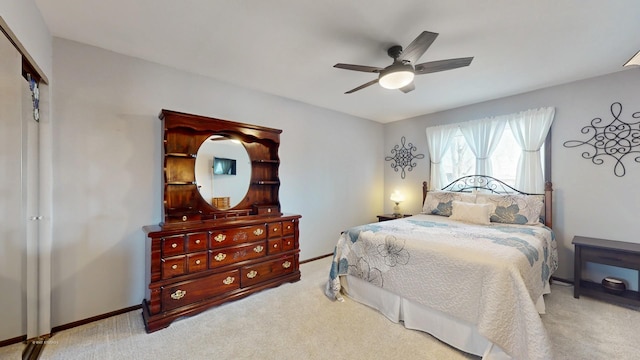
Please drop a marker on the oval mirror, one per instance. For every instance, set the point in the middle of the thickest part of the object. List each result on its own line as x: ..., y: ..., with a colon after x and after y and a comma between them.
x: 223, y: 171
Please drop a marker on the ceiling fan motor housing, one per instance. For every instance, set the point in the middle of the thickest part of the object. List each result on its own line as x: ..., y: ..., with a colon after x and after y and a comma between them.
x: 394, y: 51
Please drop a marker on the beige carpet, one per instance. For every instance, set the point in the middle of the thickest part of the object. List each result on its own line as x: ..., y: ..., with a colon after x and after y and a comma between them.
x: 11, y: 351
x: 296, y: 321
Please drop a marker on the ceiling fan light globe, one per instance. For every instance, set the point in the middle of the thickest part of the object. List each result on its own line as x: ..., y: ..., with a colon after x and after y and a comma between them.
x: 396, y: 77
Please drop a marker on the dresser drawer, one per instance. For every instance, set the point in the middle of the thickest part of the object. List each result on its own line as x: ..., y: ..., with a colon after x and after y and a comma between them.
x: 232, y: 236
x: 173, y: 266
x: 254, y: 274
x: 197, y: 242
x: 275, y: 229
x: 197, y: 262
x: 610, y: 257
x: 288, y: 243
x: 288, y: 227
x: 275, y: 246
x: 230, y: 255
x: 188, y: 292
x: 267, y: 209
x: 172, y: 245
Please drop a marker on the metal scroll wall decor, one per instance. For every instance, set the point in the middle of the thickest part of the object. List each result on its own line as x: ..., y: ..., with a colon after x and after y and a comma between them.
x: 616, y: 139
x: 402, y: 157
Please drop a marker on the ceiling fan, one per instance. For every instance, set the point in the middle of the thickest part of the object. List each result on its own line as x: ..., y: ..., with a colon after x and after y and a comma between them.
x: 400, y: 74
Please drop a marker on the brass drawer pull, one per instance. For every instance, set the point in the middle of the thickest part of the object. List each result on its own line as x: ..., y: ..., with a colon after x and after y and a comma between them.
x: 286, y: 264
x: 275, y: 229
x: 275, y: 246
x: 198, y: 262
x: 174, y: 266
x: 252, y: 274
x: 258, y: 232
x: 220, y: 237
x: 220, y: 256
x: 174, y: 245
x: 258, y: 248
x: 198, y: 241
x: 288, y: 227
x: 229, y: 280
x: 179, y: 294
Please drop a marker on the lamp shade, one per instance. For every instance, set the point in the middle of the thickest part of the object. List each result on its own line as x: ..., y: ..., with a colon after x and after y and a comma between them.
x: 397, y: 197
x: 396, y: 76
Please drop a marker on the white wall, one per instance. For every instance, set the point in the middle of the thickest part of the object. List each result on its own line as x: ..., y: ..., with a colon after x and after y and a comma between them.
x: 589, y: 200
x: 108, y: 169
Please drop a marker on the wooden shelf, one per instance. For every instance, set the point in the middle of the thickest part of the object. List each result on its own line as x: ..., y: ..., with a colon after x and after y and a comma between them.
x: 266, y: 161
x: 597, y: 291
x: 267, y: 182
x: 181, y: 155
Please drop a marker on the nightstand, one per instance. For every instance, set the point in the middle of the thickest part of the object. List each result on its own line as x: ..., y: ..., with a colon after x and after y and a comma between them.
x: 608, y: 252
x: 386, y: 217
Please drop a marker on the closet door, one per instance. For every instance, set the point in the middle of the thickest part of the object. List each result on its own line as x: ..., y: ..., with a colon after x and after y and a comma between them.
x: 12, y: 210
x: 30, y: 200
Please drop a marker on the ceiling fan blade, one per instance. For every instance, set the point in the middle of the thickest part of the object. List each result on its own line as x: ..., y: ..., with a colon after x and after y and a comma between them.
x: 418, y: 46
x: 362, y: 86
x: 442, y: 65
x: 410, y: 87
x: 369, y: 69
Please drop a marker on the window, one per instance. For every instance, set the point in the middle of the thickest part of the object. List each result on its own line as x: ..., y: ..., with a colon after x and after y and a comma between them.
x: 514, y: 143
x: 459, y: 161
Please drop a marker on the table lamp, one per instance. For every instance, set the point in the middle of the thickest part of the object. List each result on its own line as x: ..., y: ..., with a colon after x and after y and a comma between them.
x: 397, y: 198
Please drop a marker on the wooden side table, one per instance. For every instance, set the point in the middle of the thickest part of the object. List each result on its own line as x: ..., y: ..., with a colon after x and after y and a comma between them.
x: 608, y: 252
x: 387, y: 217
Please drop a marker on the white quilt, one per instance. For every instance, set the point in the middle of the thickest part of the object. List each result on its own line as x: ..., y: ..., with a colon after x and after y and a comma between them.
x: 488, y: 275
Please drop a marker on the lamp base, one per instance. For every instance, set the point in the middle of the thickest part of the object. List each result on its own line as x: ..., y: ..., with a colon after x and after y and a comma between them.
x: 396, y: 210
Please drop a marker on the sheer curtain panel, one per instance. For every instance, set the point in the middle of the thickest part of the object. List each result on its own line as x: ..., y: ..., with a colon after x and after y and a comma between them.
x: 483, y: 136
x: 530, y: 129
x: 439, y: 139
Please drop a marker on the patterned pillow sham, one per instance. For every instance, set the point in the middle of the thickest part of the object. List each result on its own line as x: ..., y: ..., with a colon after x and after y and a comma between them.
x: 440, y: 202
x: 471, y: 213
x: 513, y: 209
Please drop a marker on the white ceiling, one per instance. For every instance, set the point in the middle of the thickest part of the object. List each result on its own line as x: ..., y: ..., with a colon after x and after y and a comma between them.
x: 288, y: 47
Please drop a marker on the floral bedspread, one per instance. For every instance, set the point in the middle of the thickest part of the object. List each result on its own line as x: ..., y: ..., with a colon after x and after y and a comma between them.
x: 488, y: 275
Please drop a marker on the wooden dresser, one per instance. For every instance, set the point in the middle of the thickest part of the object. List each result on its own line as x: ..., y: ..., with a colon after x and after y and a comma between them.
x: 200, y: 255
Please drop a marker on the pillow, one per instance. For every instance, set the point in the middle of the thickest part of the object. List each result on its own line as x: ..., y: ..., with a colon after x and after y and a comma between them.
x: 513, y: 208
x: 472, y: 213
x: 439, y: 202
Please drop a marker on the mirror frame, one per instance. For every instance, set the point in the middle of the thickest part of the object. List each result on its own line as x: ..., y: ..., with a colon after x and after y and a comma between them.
x: 182, y: 136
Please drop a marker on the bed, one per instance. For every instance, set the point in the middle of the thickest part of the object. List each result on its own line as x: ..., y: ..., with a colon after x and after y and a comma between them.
x: 471, y: 269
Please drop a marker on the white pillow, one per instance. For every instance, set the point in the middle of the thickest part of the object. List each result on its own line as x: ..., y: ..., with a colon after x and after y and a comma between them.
x: 472, y: 213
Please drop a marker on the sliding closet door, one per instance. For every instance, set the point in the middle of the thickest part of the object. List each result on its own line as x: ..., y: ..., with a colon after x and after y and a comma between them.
x: 30, y: 201
x: 12, y: 210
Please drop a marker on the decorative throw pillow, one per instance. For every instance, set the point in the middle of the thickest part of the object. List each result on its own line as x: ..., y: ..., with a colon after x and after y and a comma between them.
x: 472, y: 213
x: 513, y: 208
x: 440, y: 202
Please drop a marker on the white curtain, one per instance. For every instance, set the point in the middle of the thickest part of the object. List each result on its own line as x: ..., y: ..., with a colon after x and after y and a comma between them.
x: 439, y: 139
x: 483, y: 136
x: 530, y: 129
